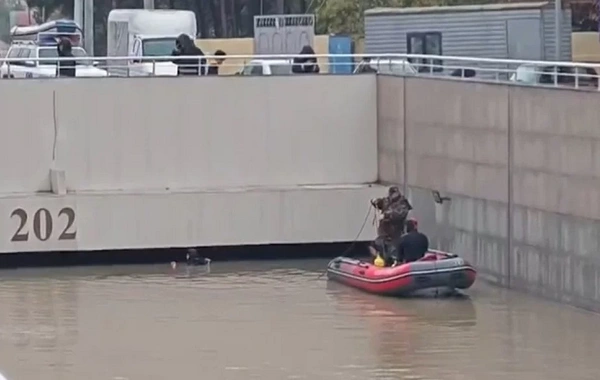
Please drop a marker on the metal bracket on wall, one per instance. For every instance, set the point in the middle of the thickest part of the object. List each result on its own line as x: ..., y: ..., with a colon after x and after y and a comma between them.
x: 437, y: 198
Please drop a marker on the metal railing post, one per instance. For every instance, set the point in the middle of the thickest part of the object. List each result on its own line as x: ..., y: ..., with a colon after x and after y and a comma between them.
x: 510, y: 198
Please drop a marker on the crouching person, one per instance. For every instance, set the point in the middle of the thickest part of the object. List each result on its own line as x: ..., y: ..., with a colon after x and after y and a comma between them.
x: 384, y: 252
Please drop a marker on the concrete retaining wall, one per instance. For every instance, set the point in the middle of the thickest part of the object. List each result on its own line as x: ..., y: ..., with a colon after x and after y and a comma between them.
x: 175, y: 162
x: 522, y: 166
x: 181, y: 133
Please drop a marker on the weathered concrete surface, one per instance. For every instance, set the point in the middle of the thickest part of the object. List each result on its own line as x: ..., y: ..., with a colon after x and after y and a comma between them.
x: 556, y: 176
x: 458, y: 148
x: 474, y: 142
x: 390, y: 128
x: 174, y: 162
x: 138, y: 135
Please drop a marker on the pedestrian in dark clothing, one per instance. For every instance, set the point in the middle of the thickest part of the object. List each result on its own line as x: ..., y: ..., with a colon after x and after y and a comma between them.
x: 308, y: 65
x: 65, y: 68
x: 214, y: 68
x: 365, y: 66
x: 413, y: 245
x: 184, y: 46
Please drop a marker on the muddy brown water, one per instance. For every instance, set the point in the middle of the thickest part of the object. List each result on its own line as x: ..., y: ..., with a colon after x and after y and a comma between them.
x: 276, y: 320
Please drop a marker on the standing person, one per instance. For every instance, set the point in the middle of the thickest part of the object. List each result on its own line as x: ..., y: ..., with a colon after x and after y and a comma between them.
x: 184, y: 46
x: 65, y: 68
x: 214, y: 68
x: 413, y: 245
x: 395, y: 208
x: 308, y: 65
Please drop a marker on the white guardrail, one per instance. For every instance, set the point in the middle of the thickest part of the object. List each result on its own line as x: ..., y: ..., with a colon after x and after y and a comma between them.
x: 543, y: 73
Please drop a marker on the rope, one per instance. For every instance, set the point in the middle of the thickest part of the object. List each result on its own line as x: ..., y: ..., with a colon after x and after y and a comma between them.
x: 359, y: 231
x: 355, y: 239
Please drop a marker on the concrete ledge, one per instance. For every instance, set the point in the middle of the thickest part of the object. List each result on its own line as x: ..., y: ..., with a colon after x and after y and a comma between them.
x: 209, y: 217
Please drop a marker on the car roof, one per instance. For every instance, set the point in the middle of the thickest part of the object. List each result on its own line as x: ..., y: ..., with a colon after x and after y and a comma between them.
x: 388, y: 60
x: 273, y: 61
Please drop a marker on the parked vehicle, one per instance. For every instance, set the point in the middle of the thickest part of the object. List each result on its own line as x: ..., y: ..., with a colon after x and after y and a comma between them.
x: 385, y: 66
x: 36, y: 49
x: 145, y: 34
x: 556, y: 75
x: 268, y: 67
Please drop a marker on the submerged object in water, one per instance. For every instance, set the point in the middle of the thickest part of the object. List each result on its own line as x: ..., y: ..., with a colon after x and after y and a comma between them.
x: 193, y: 258
x: 435, y: 271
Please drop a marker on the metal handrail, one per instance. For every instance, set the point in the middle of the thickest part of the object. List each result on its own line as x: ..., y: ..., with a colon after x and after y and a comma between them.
x: 494, y: 69
x: 355, y: 56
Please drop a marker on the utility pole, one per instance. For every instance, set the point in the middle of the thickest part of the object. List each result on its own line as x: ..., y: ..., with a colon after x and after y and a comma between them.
x: 557, y: 29
x: 78, y: 12
x: 88, y: 26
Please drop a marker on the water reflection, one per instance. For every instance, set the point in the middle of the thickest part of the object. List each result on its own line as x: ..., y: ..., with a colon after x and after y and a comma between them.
x: 39, y: 315
x: 456, y: 311
x: 36, y: 314
x: 412, y: 336
x: 276, y: 320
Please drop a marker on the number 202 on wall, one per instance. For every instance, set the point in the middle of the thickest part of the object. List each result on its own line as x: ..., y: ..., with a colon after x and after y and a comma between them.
x: 43, y: 224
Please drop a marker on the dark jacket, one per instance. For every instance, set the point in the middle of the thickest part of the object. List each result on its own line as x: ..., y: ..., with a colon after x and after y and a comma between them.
x: 413, y: 246
x: 188, y: 66
x: 213, y: 70
x: 306, y: 65
x: 67, y: 67
x: 365, y: 67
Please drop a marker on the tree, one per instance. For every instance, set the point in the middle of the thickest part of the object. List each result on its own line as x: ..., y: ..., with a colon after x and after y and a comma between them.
x: 347, y: 16
x: 235, y: 18
x: 50, y: 7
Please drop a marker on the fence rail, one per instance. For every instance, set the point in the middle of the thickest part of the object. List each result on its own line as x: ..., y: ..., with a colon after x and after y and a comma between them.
x: 570, y: 74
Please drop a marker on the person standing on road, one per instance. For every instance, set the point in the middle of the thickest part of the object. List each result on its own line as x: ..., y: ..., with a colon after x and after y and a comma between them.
x: 214, y: 68
x: 65, y: 68
x: 308, y: 65
x: 184, y: 46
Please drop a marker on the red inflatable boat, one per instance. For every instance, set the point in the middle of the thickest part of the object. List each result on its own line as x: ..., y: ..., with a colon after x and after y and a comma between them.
x: 438, y: 271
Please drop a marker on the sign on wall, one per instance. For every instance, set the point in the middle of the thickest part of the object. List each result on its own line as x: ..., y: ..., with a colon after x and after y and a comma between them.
x: 43, y: 224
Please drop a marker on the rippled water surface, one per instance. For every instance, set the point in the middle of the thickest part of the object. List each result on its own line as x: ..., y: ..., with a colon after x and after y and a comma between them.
x: 273, y: 321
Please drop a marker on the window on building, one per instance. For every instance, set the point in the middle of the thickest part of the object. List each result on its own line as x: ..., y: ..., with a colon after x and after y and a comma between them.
x: 425, y: 43
x: 584, y: 14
